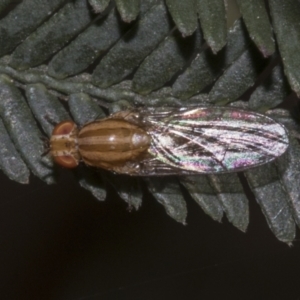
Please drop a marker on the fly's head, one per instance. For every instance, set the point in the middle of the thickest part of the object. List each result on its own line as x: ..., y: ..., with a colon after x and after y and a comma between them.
x: 64, y: 145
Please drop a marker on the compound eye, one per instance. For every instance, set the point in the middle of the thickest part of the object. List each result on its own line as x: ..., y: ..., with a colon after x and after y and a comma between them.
x: 65, y: 127
x: 66, y: 161
x: 63, y: 144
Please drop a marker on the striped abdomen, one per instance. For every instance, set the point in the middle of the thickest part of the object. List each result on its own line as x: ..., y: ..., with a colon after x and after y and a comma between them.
x: 111, y: 142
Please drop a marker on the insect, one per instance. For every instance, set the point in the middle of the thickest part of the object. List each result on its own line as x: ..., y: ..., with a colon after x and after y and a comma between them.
x: 169, y: 141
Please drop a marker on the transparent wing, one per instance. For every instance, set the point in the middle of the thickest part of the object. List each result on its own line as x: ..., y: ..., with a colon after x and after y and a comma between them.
x: 210, y: 140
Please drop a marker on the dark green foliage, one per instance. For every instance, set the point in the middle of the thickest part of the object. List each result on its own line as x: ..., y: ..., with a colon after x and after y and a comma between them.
x: 99, y: 5
x: 285, y: 16
x: 135, y: 45
x: 184, y: 14
x: 167, y: 192
x: 206, y: 67
x: 128, y: 188
x: 128, y: 9
x: 22, y: 128
x: 241, y: 74
x: 273, y: 200
x: 289, y: 171
x: 10, y: 161
x: 165, y: 61
x: 40, y: 100
x: 52, y: 35
x: 157, y: 55
x: 233, y: 199
x: 205, y: 195
x: 4, y: 4
x: 257, y: 22
x: 271, y: 92
x: 85, y: 49
x: 16, y: 26
x: 83, y: 109
x: 212, y: 17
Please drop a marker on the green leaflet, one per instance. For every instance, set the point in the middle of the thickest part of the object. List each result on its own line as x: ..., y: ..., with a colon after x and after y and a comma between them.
x: 74, y: 39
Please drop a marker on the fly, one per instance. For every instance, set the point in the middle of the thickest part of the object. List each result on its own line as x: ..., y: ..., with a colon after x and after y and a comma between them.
x: 169, y: 141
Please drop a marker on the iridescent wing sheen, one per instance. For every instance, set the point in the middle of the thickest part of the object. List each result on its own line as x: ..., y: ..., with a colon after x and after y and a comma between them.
x: 210, y: 140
